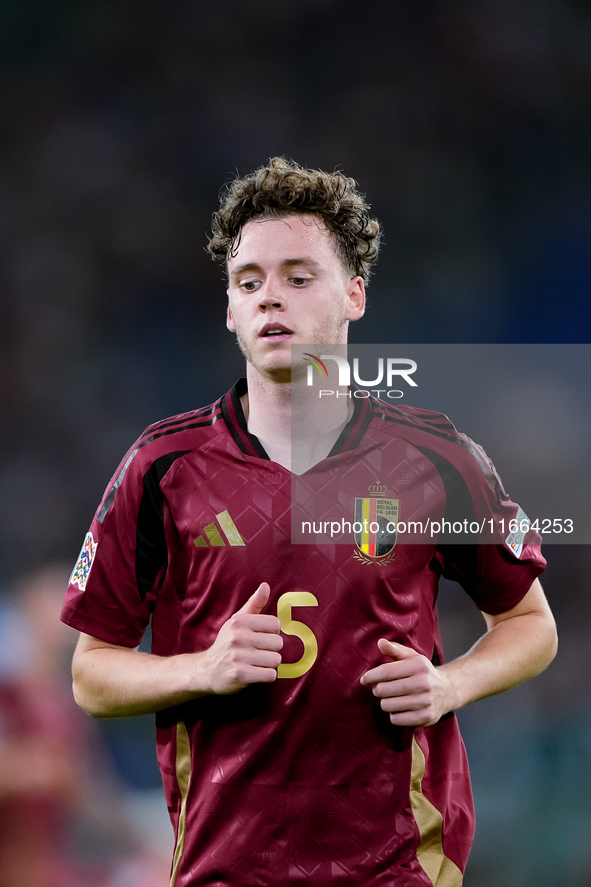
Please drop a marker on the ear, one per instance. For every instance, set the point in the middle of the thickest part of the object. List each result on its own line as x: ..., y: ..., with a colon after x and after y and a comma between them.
x: 230, y: 320
x: 356, y: 299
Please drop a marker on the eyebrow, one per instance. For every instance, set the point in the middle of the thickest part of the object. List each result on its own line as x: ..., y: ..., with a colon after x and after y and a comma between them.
x: 285, y: 265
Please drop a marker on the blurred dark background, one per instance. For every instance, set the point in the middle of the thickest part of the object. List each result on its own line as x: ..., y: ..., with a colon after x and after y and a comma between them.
x: 467, y: 125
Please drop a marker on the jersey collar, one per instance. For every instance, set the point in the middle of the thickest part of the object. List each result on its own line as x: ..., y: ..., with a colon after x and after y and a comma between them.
x: 349, y: 438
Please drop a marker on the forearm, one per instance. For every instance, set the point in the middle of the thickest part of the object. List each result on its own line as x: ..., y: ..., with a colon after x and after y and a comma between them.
x: 512, y: 651
x: 110, y: 682
x: 519, y: 644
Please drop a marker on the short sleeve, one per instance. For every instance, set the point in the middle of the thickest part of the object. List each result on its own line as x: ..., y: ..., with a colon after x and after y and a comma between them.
x: 104, y: 598
x: 499, y: 557
x: 494, y: 578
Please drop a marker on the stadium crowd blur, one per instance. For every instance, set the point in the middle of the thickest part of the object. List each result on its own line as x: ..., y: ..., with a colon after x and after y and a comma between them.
x: 468, y: 126
x: 65, y: 818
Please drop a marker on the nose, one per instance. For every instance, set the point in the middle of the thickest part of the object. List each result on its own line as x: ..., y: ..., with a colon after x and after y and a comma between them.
x: 270, y: 296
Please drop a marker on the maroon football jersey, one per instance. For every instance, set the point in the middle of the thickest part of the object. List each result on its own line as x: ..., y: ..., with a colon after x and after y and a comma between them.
x: 303, y: 781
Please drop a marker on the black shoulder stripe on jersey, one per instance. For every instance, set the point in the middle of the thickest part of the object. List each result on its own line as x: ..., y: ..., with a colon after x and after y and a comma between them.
x: 460, y: 506
x: 185, y: 418
x: 202, y: 424
x: 111, y: 497
x: 118, y: 480
x: 438, y: 421
x: 416, y: 413
x: 458, y: 548
x: 493, y: 479
x: 151, y: 553
x: 421, y: 427
x: 234, y: 418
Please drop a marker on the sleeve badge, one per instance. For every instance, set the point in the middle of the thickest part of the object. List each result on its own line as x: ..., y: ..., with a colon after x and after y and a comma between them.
x: 514, y: 540
x: 81, y: 571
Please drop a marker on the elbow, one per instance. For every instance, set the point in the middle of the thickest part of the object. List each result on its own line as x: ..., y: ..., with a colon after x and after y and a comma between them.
x: 89, y: 699
x: 553, y: 643
x: 548, y: 643
x: 86, y: 701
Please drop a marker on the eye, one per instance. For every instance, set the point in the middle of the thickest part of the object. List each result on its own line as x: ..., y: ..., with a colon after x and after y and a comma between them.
x: 300, y: 281
x: 249, y: 286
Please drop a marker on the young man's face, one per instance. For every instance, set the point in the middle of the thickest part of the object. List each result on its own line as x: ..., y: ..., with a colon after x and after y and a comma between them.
x: 288, y: 286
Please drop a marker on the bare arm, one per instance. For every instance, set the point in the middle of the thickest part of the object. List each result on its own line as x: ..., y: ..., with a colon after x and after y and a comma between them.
x: 518, y: 645
x: 111, y: 681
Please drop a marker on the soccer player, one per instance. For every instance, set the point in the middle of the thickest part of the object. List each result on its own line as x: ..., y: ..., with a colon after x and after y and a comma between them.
x: 305, y: 720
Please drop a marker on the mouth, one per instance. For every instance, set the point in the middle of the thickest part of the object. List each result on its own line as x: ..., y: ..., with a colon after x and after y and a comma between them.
x: 275, y: 332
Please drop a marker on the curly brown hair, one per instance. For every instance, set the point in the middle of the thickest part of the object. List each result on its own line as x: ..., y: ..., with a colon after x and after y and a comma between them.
x: 283, y: 187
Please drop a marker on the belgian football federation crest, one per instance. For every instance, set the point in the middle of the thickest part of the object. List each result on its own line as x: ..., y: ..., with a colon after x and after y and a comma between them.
x: 375, y: 527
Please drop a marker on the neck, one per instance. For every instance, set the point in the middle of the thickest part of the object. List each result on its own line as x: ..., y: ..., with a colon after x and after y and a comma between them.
x: 296, y: 427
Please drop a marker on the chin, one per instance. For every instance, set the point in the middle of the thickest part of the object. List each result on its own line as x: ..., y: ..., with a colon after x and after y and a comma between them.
x: 279, y: 365
x: 278, y: 375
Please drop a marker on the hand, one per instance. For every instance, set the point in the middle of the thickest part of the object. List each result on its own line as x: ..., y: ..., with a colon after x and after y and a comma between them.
x: 246, y: 650
x: 413, y: 691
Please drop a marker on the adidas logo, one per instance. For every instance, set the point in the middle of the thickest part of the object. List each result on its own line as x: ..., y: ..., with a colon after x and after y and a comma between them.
x: 229, y: 534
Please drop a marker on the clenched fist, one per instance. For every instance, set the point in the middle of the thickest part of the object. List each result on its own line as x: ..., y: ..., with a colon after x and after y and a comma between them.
x: 412, y: 690
x: 246, y: 650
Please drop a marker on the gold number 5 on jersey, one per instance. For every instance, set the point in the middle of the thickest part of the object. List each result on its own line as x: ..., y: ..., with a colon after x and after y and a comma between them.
x: 300, y: 630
